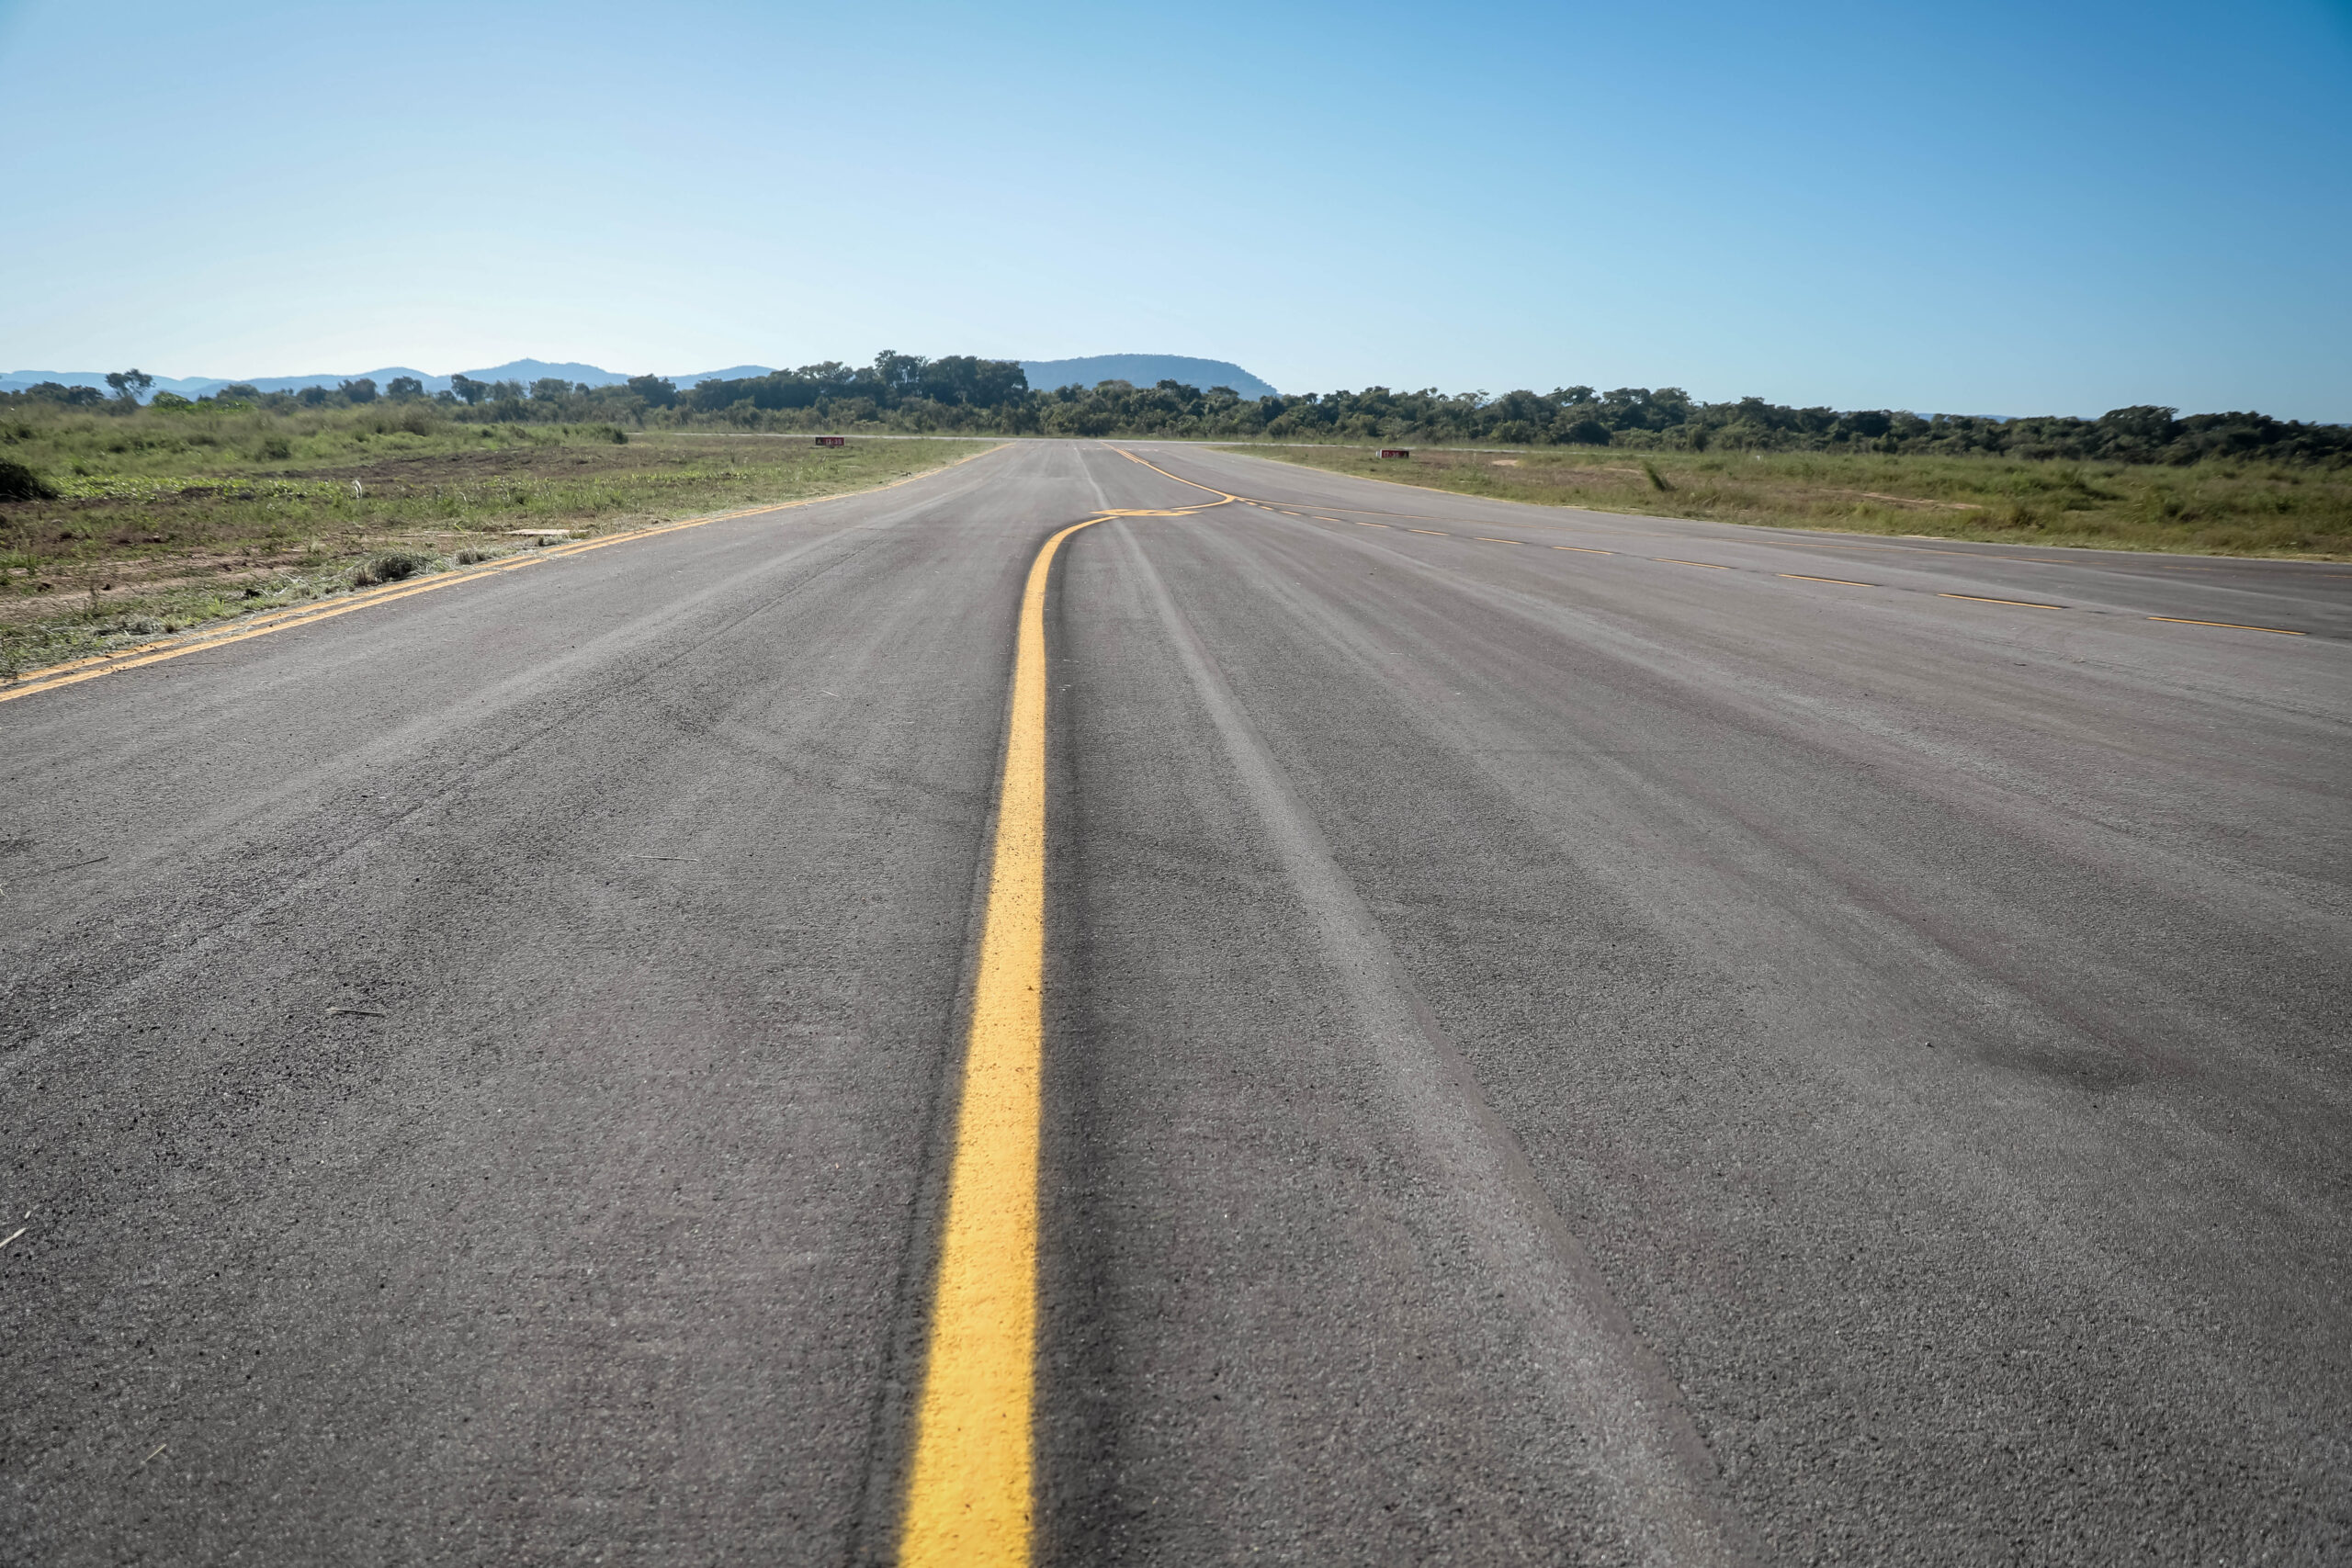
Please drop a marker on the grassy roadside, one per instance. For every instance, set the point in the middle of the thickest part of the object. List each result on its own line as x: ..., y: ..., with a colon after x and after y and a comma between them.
x: 2226, y: 508
x: 158, y: 521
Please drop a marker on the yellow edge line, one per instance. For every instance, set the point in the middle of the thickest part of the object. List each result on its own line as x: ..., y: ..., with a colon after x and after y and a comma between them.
x: 969, y: 1495
x: 1980, y: 599
x: 77, y: 671
x: 2233, y: 625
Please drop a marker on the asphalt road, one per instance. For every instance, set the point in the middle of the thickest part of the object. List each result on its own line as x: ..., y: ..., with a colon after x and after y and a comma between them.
x: 1569, y: 1038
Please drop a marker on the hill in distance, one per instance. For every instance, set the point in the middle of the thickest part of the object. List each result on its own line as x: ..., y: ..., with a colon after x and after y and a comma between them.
x: 1143, y: 370
x: 524, y: 370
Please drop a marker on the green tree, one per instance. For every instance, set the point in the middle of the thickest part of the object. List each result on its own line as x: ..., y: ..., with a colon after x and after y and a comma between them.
x: 404, y: 388
x: 128, y: 384
x: 471, y: 391
x: 363, y: 390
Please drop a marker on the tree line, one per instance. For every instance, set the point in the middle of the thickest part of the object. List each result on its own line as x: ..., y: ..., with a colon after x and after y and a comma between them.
x: 962, y: 394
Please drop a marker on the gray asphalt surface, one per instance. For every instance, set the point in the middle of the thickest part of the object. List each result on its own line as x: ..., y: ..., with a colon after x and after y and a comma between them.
x: 1553, y: 1056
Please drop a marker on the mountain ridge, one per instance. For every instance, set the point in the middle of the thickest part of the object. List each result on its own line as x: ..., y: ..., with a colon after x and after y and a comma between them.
x: 1142, y: 369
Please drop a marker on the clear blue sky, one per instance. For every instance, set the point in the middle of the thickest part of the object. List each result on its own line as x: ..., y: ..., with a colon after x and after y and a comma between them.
x: 1997, y: 207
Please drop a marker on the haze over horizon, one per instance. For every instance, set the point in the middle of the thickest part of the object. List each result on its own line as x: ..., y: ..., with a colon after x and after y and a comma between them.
x: 2037, y: 213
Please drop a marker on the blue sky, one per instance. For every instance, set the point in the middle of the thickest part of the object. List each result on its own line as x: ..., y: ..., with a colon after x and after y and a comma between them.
x: 2004, y: 209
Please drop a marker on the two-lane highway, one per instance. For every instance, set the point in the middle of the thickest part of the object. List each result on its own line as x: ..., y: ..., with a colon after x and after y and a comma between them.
x: 1558, y: 1037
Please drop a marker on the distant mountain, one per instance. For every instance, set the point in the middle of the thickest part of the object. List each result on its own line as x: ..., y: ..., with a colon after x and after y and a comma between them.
x: 1143, y: 370
x: 733, y: 373
x: 188, y: 387
x: 525, y: 371
x: 296, y: 383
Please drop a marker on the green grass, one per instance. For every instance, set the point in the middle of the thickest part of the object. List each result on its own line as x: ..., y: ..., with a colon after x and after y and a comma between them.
x: 163, y: 520
x: 2210, y: 508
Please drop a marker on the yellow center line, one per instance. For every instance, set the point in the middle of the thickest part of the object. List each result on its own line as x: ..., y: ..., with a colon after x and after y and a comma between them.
x: 1438, y: 532
x: 1711, y: 566
x: 1584, y: 549
x: 1163, y: 473
x: 1805, y: 577
x: 1361, y: 524
x: 75, y: 671
x: 2233, y: 625
x: 1981, y: 599
x: 970, y: 1494
x: 1484, y: 540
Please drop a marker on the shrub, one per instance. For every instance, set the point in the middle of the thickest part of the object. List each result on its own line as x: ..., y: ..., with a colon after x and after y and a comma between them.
x: 391, y: 566
x: 19, y: 483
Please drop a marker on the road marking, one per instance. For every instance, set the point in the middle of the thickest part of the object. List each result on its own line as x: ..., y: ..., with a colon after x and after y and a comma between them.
x: 72, y: 674
x: 2233, y: 625
x: 1717, y: 566
x: 1980, y: 599
x: 969, y: 1496
x: 75, y: 671
x: 1163, y: 473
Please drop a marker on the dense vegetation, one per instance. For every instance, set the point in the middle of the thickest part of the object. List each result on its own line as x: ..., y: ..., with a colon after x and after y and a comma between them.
x: 905, y: 392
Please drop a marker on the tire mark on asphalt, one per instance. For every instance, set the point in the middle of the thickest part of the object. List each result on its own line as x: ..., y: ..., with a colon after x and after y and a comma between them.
x: 299, y: 882
x: 1654, y: 1471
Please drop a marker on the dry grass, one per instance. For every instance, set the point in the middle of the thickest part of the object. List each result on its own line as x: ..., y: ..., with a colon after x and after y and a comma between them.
x: 2215, y: 508
x: 163, y: 521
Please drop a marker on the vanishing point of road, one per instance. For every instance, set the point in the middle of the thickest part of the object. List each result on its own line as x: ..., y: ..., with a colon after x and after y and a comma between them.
x: 1127, y: 1004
